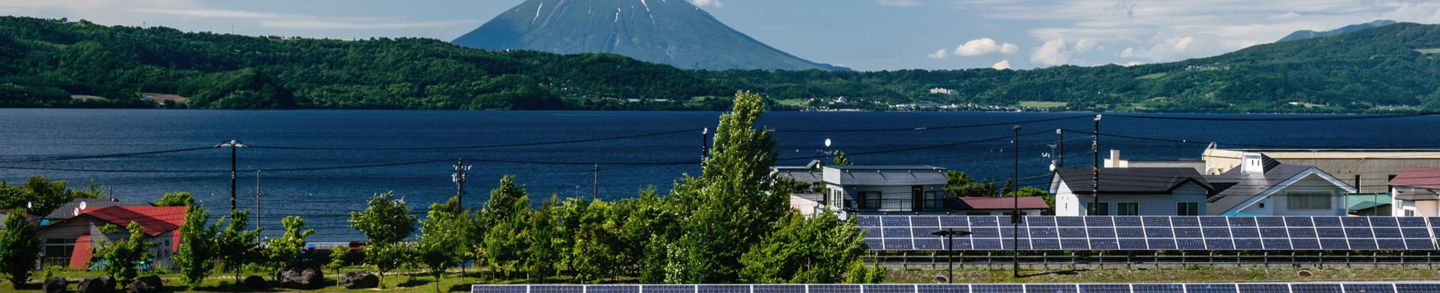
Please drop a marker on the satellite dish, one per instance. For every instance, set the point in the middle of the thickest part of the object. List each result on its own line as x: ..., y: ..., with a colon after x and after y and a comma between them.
x: 83, y: 205
x: 1052, y: 166
x: 827, y: 142
x: 76, y: 212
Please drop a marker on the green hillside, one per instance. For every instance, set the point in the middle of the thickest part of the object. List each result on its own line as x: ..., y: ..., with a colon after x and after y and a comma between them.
x: 54, y: 63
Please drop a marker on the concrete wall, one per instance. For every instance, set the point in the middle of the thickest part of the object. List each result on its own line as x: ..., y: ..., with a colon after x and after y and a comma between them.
x: 1068, y: 203
x: 1277, y: 203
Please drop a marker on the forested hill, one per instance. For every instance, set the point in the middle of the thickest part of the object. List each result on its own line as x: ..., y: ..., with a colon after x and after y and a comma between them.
x: 56, y: 63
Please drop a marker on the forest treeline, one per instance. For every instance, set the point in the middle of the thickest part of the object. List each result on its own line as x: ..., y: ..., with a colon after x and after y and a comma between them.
x: 63, y: 63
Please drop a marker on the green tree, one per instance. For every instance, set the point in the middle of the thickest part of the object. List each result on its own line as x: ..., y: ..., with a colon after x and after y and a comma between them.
x: 805, y: 250
x: 733, y: 202
x: 285, y: 250
x: 338, y: 255
x: 443, y: 238
x: 42, y: 196
x: 1032, y: 191
x: 959, y: 184
x: 198, y: 246
x: 386, y: 220
x: 122, y: 258
x: 240, y: 246
x: 19, y: 248
x: 545, y: 240
x: 175, y: 199
x: 504, y: 220
x: 386, y: 257
x: 841, y: 160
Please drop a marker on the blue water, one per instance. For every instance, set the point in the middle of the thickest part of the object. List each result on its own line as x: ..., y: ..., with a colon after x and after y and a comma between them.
x: 324, y: 198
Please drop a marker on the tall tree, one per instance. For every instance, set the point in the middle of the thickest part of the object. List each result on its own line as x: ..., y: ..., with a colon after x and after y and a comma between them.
x: 240, y: 246
x: 733, y: 202
x: 504, y: 220
x: 122, y: 258
x: 386, y: 257
x: 42, y: 196
x: 19, y: 248
x: 386, y: 220
x: 198, y: 246
x: 443, y: 236
x: 821, y: 249
x: 545, y: 239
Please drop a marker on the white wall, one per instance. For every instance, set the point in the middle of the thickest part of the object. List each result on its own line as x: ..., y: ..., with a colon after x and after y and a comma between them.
x: 1068, y: 203
x: 1277, y: 205
x: 892, y: 198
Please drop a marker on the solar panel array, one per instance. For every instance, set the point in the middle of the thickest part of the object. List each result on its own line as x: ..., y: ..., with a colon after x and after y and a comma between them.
x: 892, y: 232
x: 1400, y: 287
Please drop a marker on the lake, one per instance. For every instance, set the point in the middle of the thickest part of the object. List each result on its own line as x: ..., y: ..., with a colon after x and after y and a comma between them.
x: 324, y: 197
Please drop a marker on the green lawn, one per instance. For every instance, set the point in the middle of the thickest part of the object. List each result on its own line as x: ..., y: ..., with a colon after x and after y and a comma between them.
x: 420, y: 283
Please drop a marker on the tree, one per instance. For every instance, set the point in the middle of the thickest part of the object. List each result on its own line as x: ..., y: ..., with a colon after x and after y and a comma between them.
x: 386, y: 257
x: 175, y: 199
x: 959, y: 184
x: 337, y: 258
x: 733, y: 202
x: 198, y: 246
x: 285, y: 250
x: 240, y: 246
x: 504, y: 220
x: 385, y: 221
x: 19, y: 247
x: 122, y: 259
x: 841, y: 160
x: 1031, y: 191
x: 443, y: 238
x: 822, y: 249
x: 544, y: 251
x: 42, y: 196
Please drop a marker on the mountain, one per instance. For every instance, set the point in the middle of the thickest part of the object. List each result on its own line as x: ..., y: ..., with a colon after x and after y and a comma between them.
x: 673, y: 32
x: 1306, y: 34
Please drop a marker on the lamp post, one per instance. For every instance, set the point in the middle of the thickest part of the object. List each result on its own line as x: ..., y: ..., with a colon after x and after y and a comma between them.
x: 950, y: 248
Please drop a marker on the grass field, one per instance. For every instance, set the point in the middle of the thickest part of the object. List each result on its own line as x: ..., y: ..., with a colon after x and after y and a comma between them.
x: 1040, y: 104
x: 419, y: 283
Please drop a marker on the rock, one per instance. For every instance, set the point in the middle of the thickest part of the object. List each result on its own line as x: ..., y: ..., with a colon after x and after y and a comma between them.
x: 55, y: 285
x: 96, y: 285
x: 255, y: 282
x: 148, y: 284
x: 300, y: 277
x: 359, y: 280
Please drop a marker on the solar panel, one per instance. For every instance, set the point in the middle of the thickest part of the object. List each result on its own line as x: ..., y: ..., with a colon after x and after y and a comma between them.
x: 1270, y: 221
x: 1045, y: 244
x: 1276, y: 244
x: 1248, y: 244
x: 1387, y: 232
x: 925, y: 221
x: 1105, y: 232
x: 1185, y: 221
x: 1355, y: 222
x: 867, y: 221
x: 1417, y: 288
x: 895, y: 221
x: 1104, y: 288
x: 1419, y: 244
x: 899, y: 244
x: 942, y: 288
x: 1390, y: 244
x: 1190, y: 244
x: 982, y: 221
x: 1316, y: 288
x: 924, y: 232
x: 499, y: 289
x: 1362, y: 244
x: 1369, y: 288
x: 1210, y: 288
x: 1264, y: 288
x: 1326, y: 221
x: 1128, y: 222
x: 896, y: 232
x: 1304, y: 244
x: 1219, y: 244
x: 1216, y: 232
x: 1383, y: 222
x: 888, y: 288
x: 1040, y: 221
x: 668, y: 289
x: 1333, y: 244
x: 1130, y: 232
x: 1097, y: 221
x: 987, y: 244
x: 779, y: 289
x: 1157, y: 288
x: 1043, y: 232
x: 929, y: 244
x: 1299, y: 222
x: 1074, y: 244
x: 732, y: 289
x: 1051, y: 288
x: 834, y: 289
x: 1213, y: 222
x: 996, y: 288
x: 1305, y: 232
x: 954, y: 222
x: 1161, y: 244
x: 1133, y: 244
x: 557, y: 289
x: 1069, y: 232
x: 1188, y: 233
x: 1104, y: 244
x: 1070, y: 221
x: 613, y: 289
x: 1156, y: 221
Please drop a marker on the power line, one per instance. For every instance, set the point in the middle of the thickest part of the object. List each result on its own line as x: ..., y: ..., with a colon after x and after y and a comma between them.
x: 102, y: 156
x: 931, y: 127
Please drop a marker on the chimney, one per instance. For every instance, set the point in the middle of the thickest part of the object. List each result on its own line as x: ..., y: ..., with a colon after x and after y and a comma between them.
x: 1252, y: 163
x: 1114, y: 161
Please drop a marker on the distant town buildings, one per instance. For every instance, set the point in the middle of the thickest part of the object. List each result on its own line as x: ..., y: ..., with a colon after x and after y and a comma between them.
x: 942, y: 91
x: 1368, y: 169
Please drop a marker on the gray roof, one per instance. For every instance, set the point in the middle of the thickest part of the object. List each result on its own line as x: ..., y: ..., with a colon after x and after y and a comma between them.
x: 67, y: 211
x: 1237, y: 187
x: 888, y: 168
x: 1131, y: 180
x: 802, y: 175
x: 885, y: 175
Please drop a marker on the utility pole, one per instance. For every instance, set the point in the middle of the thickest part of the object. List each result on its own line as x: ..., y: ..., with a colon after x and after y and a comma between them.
x: 596, y: 187
x: 1095, y: 177
x: 459, y: 178
x: 1061, y: 144
x: 257, y: 198
x: 1015, y: 212
x: 233, y: 145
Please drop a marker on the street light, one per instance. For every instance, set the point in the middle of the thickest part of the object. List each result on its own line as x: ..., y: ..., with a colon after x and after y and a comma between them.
x: 950, y: 248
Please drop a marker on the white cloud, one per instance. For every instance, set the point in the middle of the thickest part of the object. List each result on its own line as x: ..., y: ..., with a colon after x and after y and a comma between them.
x: 939, y: 54
x: 901, y: 3
x: 1002, y: 65
x: 1086, y: 45
x: 1127, y: 53
x: 703, y: 3
x: 1133, y: 63
x: 985, y: 46
x: 1053, y: 52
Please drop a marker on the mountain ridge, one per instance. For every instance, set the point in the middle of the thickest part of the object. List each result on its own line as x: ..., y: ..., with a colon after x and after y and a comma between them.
x: 1306, y: 34
x: 673, y: 32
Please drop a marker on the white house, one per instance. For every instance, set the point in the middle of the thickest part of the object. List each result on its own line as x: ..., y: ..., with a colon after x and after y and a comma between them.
x: 1415, y: 192
x: 879, y: 189
x: 1130, y: 191
x: 1265, y: 187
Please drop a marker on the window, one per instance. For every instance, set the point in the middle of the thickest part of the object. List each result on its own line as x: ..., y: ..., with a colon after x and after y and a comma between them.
x: 1308, y: 200
x: 1187, y: 209
x: 932, y: 201
x: 1127, y: 208
x: 1409, y: 213
x: 1104, y: 208
x: 869, y: 200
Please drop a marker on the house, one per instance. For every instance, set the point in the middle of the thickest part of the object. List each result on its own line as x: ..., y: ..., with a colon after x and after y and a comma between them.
x: 72, y: 208
x: 996, y: 206
x: 1131, y: 191
x: 1262, y: 186
x: 1415, y: 192
x: 1372, y: 168
x: 68, y: 242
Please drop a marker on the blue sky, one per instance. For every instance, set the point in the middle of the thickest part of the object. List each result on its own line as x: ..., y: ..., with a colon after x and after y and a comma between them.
x: 862, y: 34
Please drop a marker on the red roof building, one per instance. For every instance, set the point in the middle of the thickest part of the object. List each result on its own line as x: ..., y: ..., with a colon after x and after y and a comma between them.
x: 69, y: 241
x: 1415, y: 192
